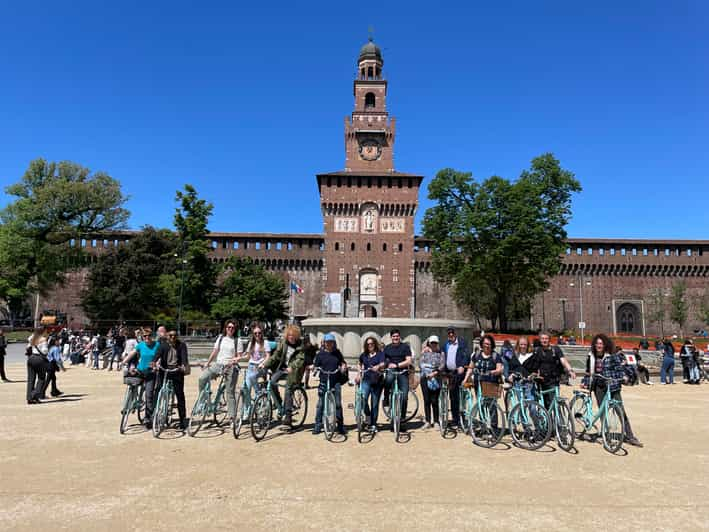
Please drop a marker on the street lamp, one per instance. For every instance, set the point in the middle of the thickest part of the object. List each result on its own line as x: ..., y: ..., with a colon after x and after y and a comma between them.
x: 582, y: 324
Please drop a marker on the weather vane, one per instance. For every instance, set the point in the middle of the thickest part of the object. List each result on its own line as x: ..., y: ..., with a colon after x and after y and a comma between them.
x: 370, y: 32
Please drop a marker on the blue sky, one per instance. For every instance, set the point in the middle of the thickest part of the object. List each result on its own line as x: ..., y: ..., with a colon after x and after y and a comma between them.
x: 247, y: 103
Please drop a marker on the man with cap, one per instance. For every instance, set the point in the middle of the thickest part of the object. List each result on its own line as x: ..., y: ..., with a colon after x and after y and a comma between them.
x: 457, y: 356
x: 329, y: 360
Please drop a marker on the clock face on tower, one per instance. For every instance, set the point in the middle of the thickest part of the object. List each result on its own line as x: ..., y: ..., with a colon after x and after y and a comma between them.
x: 370, y: 149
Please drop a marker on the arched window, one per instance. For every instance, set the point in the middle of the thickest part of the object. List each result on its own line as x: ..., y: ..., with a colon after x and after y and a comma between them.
x: 370, y: 100
x: 370, y: 73
x: 337, y: 246
x: 401, y: 247
x: 384, y: 246
x: 352, y: 246
x: 369, y: 246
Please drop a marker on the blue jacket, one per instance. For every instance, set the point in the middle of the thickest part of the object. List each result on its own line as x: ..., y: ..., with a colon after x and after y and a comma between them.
x: 462, y: 356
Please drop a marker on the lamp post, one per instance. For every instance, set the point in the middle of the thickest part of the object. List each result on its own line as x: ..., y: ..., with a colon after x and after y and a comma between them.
x: 582, y: 324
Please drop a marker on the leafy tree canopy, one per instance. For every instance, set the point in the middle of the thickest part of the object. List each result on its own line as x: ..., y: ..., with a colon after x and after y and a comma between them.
x: 498, y: 241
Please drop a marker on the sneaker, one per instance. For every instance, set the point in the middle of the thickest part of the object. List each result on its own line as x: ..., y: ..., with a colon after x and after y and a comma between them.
x: 663, y: 383
x: 57, y: 393
x: 634, y: 441
x: 649, y: 383
x: 317, y: 430
x: 373, y: 429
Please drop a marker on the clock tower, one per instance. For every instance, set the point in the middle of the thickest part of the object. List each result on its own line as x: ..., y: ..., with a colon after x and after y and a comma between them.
x: 368, y: 210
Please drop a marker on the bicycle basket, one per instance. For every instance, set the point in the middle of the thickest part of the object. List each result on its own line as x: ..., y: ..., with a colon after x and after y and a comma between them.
x: 490, y: 389
x: 132, y: 380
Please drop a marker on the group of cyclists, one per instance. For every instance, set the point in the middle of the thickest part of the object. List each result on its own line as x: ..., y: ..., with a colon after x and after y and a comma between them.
x: 443, y: 366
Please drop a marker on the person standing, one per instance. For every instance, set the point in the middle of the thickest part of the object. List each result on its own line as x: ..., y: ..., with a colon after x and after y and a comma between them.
x: 146, y: 351
x: 225, y: 353
x: 37, y: 349
x: 118, y: 347
x: 549, y: 361
x: 457, y: 354
x: 667, y: 371
x: 398, y: 357
x: 685, y: 356
x: 258, y: 351
x: 172, y: 354
x: 371, y: 364
x: 55, y: 364
x: 332, y: 366
x: 432, y: 362
x: 3, y: 352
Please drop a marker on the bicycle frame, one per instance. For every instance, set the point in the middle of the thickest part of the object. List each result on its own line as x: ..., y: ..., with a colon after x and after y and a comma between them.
x: 591, y: 418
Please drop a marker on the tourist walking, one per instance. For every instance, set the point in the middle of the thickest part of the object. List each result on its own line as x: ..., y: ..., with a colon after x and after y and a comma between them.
x: 431, y: 364
x: 172, y: 354
x: 329, y: 360
x: 3, y: 352
x: 457, y: 353
x: 55, y: 364
x: 287, y: 361
x: 602, y: 361
x: 667, y: 370
x: 37, y: 349
x: 371, y: 366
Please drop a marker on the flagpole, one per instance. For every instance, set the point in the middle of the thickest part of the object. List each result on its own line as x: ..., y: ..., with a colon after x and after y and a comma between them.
x: 292, y: 299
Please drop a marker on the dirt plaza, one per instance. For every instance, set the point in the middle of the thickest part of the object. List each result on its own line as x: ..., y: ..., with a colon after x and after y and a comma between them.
x: 64, y: 466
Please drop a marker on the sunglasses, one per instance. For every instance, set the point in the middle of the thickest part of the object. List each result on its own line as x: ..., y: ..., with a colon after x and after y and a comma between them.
x: 229, y: 326
x: 258, y: 333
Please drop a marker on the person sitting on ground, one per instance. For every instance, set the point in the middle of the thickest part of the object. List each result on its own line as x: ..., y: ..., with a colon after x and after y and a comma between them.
x: 602, y: 361
x: 332, y: 366
x: 643, y: 372
x: 433, y: 362
x: 172, y: 354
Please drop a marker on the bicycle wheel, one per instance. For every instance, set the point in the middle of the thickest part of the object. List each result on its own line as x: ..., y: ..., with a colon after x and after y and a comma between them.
x: 396, y: 415
x: 412, y: 406
x: 240, y: 409
x: 127, y: 407
x: 612, y: 429
x: 487, y: 423
x: 579, y: 414
x: 300, y: 407
x: 563, y: 425
x: 443, y: 411
x: 160, y: 414
x: 464, y: 409
x: 261, y: 415
x: 529, y: 426
x: 221, y: 409
x: 329, y: 415
x: 359, y: 414
x: 199, y: 413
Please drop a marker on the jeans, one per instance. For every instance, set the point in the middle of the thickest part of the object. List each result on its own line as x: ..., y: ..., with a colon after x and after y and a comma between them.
x: 51, y: 378
x: 337, y: 390
x: 94, y: 355
x: 151, y: 391
x: 252, y: 374
x: 115, y: 353
x: 36, y: 373
x: 403, y: 380
x: 430, y: 401
x: 288, y: 400
x: 667, y: 369
x: 371, y: 407
x: 232, y: 376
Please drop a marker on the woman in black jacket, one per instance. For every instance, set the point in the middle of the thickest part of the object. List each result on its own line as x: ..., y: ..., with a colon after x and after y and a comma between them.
x: 170, y: 355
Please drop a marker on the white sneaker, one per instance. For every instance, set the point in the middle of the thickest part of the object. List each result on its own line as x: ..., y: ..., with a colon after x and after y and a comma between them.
x: 649, y: 383
x: 663, y: 383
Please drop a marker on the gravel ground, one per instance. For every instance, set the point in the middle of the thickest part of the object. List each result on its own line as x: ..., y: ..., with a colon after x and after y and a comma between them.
x: 64, y: 466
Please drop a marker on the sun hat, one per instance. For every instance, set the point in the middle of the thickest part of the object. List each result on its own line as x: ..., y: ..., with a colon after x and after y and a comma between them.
x: 432, y: 339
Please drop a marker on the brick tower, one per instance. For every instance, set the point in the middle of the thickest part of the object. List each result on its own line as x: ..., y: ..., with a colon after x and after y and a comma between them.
x: 368, y: 210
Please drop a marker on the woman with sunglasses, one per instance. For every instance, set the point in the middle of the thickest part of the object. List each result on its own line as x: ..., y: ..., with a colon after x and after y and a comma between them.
x: 146, y: 351
x: 258, y: 351
x: 225, y: 352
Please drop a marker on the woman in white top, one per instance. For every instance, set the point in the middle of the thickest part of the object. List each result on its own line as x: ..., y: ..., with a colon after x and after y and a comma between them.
x: 225, y: 353
x: 37, y: 349
x: 258, y: 352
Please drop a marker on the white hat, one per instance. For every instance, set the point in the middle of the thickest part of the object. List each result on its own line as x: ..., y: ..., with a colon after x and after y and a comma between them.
x: 432, y: 339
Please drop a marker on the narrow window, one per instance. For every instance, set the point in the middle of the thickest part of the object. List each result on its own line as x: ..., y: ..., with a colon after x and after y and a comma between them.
x: 352, y: 246
x: 370, y: 101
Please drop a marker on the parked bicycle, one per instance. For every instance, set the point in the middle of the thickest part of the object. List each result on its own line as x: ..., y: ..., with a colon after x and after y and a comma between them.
x: 610, y: 414
x: 444, y: 403
x: 329, y: 411
x: 361, y: 409
x: 205, y: 406
x: 560, y: 415
x: 266, y: 402
x: 162, y: 416
x: 243, y: 408
x: 412, y: 407
x: 487, y: 420
x: 396, y: 403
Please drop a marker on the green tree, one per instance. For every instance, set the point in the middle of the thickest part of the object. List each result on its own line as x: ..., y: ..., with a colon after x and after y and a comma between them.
x: 657, y: 313
x: 502, y: 238
x: 679, y: 309
x: 55, y: 203
x: 127, y: 282
x: 198, y: 280
x: 702, y: 307
x: 248, y: 292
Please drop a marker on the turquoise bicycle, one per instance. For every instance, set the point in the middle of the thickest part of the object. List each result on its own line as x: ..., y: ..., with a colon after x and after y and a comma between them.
x: 360, y: 408
x: 329, y: 410
x: 134, y: 400
x: 610, y: 414
x: 243, y: 412
x: 528, y: 422
x: 561, y: 418
x: 204, y: 405
x: 487, y: 420
x: 443, y: 403
x: 266, y: 402
x: 466, y: 401
x: 162, y: 416
x: 396, y: 399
